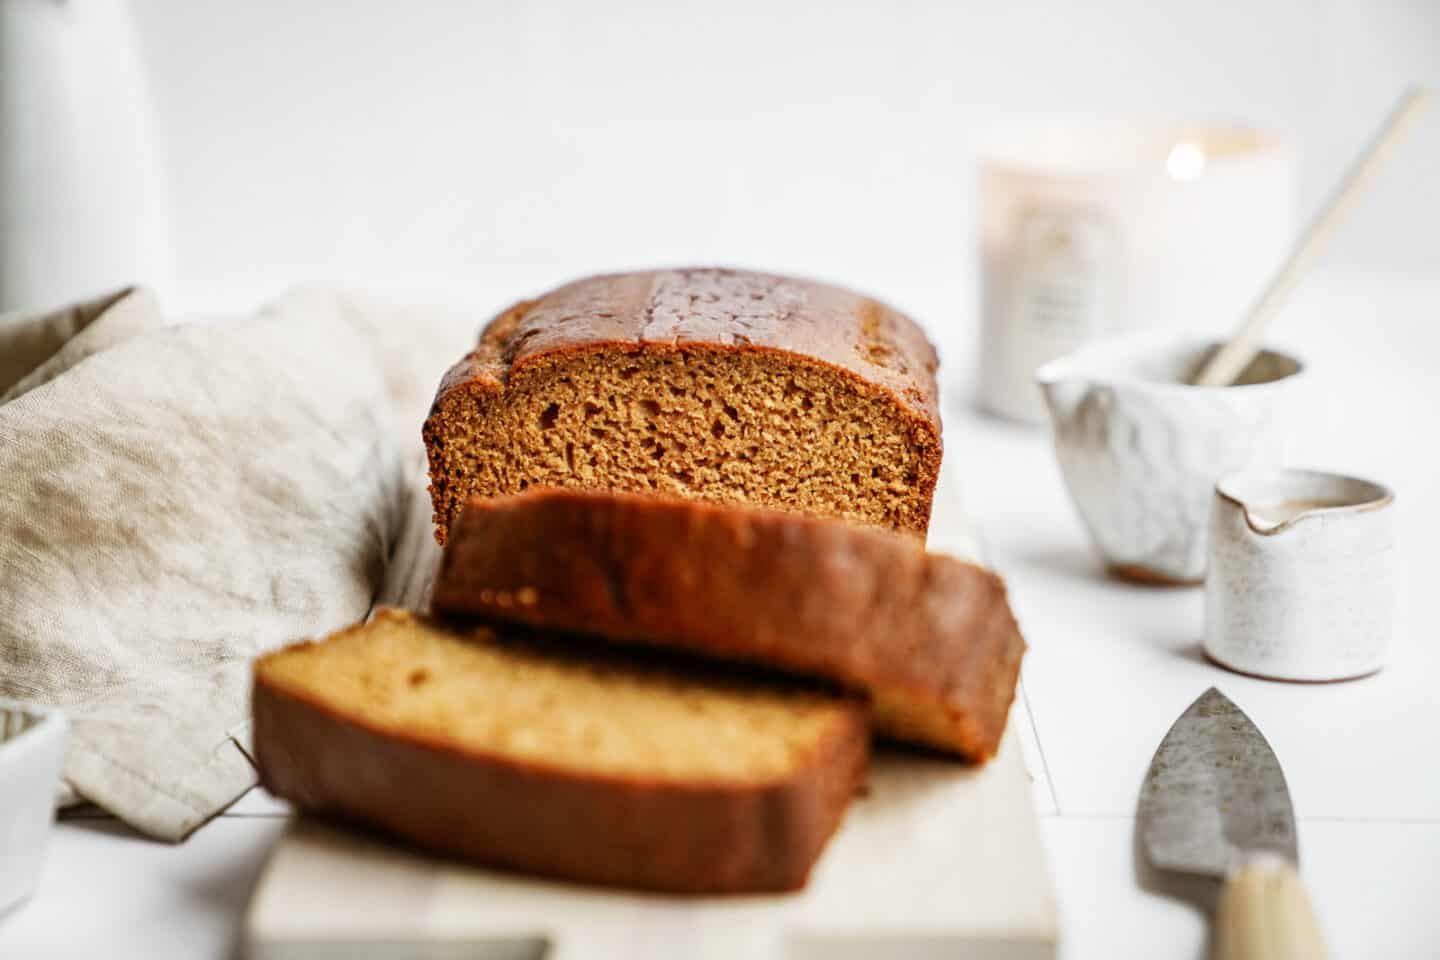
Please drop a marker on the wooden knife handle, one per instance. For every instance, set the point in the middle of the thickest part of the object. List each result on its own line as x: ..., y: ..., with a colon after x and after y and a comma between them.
x: 1264, y: 914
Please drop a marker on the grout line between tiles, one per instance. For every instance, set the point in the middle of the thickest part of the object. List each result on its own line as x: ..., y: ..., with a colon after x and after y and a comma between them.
x: 1040, y: 748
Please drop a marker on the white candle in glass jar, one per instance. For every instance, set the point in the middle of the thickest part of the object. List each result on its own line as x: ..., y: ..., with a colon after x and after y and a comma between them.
x: 1087, y: 233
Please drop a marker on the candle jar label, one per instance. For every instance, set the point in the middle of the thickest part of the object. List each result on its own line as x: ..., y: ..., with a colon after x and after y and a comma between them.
x: 1064, y: 291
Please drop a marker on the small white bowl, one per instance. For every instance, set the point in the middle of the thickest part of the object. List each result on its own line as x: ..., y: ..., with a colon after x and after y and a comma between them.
x: 32, y: 748
x: 1141, y: 449
x: 1302, y: 580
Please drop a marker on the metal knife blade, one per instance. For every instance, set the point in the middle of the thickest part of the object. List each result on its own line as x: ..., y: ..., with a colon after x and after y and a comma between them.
x: 1215, y: 793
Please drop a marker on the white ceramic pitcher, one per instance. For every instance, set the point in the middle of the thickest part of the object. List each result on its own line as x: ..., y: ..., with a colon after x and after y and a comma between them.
x: 1141, y: 449
x: 83, y: 205
x: 1303, y: 571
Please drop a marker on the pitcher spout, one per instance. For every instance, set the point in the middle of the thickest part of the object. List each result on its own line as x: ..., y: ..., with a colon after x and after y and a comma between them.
x: 1063, y: 390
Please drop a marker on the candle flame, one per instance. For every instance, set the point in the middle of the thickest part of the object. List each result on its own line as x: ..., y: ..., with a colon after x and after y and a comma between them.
x: 1186, y: 161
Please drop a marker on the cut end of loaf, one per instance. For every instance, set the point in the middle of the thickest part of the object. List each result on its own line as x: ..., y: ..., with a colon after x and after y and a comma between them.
x: 535, y: 701
x: 542, y: 755
x: 756, y: 427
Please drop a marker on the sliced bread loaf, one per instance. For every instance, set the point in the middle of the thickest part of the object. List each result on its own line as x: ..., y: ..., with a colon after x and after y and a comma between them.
x: 505, y: 749
x: 931, y: 639
x: 716, y: 385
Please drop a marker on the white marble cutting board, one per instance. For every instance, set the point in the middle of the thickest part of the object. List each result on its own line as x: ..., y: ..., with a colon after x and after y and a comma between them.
x: 936, y: 860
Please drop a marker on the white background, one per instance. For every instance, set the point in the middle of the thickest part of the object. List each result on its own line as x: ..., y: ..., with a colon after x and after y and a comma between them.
x: 473, y: 152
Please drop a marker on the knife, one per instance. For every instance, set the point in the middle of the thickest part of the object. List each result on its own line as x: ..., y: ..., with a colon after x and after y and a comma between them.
x: 1215, y: 804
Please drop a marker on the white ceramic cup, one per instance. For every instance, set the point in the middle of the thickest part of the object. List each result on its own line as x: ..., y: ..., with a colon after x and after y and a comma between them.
x: 32, y: 751
x: 1141, y: 449
x: 1302, y: 580
x: 84, y: 205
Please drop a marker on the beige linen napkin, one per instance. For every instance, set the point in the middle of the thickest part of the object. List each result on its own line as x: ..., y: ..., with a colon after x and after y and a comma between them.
x: 177, y: 499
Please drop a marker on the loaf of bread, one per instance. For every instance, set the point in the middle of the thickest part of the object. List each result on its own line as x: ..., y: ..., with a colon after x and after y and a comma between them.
x: 715, y: 385
x: 578, y: 764
x: 930, y: 639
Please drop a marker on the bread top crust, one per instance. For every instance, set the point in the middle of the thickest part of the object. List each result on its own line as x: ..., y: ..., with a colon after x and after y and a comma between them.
x: 713, y: 307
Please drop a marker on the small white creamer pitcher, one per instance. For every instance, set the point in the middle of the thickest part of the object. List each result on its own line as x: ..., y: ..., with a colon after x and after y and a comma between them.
x: 1302, y: 581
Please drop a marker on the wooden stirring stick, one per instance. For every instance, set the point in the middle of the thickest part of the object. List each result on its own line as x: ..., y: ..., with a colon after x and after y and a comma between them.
x: 1234, y: 356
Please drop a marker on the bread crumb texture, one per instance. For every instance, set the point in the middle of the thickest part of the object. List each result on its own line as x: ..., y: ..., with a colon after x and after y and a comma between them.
x: 722, y: 386
x: 534, y: 701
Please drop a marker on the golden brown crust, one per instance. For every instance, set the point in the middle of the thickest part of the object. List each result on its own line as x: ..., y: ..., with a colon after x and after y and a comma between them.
x: 652, y: 834
x: 930, y: 638
x: 871, y: 346
x: 726, y: 308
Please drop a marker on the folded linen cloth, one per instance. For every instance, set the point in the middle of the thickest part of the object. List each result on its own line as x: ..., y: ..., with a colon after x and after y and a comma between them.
x: 177, y: 499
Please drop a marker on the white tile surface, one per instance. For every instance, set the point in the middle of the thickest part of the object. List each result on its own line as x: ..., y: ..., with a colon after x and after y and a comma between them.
x: 1110, y: 667
x: 1372, y: 887
x: 108, y: 893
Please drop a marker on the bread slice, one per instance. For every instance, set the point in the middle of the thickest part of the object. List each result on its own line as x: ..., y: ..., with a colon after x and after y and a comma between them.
x: 931, y: 639
x: 717, y: 385
x: 508, y: 750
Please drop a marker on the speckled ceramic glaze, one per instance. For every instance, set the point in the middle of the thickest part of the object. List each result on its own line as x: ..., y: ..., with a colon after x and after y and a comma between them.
x: 1302, y: 575
x: 1141, y: 449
